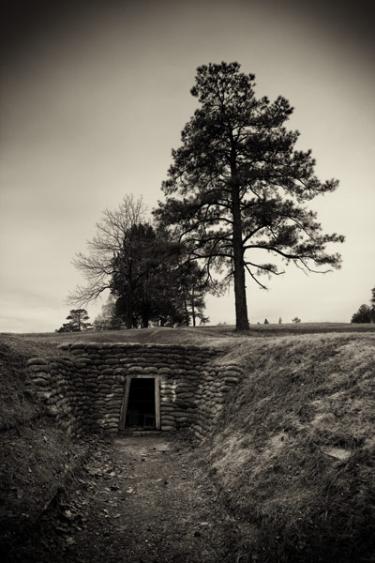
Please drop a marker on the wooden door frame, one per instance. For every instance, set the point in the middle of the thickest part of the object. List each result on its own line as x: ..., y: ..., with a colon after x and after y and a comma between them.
x: 125, y: 401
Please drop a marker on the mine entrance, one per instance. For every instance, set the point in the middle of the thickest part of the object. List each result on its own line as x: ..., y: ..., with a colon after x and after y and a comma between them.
x: 141, y: 411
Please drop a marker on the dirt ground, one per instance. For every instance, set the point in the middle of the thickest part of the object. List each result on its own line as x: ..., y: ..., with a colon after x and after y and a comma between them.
x: 145, y: 498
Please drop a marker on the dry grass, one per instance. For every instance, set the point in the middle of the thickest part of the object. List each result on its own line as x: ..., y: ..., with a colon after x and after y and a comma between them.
x: 295, y: 452
x: 172, y: 336
x: 220, y: 335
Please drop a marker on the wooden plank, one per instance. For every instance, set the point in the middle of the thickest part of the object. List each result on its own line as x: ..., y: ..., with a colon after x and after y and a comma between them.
x: 157, y: 403
x: 124, y: 405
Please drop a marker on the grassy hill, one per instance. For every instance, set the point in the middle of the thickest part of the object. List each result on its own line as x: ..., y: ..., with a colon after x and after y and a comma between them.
x: 295, y: 453
x: 205, y: 336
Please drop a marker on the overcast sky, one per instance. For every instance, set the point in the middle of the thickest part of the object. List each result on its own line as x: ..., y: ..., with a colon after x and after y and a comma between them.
x: 94, y: 98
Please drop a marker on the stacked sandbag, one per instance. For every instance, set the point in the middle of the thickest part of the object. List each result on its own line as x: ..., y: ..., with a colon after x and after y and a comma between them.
x: 51, y: 381
x: 216, y: 383
x: 167, y: 403
x: 85, y: 388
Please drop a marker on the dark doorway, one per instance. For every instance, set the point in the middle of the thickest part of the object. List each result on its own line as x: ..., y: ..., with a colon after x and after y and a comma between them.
x: 141, y: 405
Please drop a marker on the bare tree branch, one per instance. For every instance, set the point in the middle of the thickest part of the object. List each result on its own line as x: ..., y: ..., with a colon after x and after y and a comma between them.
x: 98, y: 265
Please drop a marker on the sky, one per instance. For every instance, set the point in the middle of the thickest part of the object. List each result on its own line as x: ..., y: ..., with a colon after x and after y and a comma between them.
x: 94, y: 96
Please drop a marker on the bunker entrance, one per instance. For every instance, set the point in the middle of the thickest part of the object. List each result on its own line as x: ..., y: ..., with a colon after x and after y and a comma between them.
x: 141, y: 405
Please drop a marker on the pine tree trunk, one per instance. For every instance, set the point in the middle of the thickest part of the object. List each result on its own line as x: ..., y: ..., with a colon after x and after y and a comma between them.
x: 242, y: 322
x: 193, y: 307
x: 145, y: 322
x: 187, y: 316
x: 129, y: 311
x: 129, y: 298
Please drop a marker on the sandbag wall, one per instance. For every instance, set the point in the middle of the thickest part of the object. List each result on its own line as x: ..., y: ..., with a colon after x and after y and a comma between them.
x: 213, y: 390
x: 53, y: 381
x: 85, y: 390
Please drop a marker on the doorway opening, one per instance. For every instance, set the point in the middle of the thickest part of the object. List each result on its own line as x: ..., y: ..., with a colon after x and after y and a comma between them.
x: 141, y: 411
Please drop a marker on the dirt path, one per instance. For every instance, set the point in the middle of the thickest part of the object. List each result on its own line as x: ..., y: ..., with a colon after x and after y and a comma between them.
x: 149, y: 501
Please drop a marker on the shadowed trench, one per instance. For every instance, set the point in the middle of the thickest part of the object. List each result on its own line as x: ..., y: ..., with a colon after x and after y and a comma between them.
x: 284, y: 450
x: 140, y: 499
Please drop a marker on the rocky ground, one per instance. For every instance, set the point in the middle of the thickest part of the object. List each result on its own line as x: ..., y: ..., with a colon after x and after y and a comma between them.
x: 139, y: 499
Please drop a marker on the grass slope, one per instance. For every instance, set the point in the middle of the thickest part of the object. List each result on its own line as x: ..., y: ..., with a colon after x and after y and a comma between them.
x: 295, y: 453
x: 219, y: 335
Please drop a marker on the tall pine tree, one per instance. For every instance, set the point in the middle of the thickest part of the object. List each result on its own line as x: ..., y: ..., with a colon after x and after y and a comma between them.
x: 237, y: 185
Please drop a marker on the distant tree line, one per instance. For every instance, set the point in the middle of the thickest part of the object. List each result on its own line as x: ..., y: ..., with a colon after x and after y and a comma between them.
x: 366, y: 313
x: 77, y: 321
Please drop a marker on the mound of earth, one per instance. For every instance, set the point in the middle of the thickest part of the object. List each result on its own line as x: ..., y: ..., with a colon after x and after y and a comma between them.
x: 36, y: 455
x: 295, y: 453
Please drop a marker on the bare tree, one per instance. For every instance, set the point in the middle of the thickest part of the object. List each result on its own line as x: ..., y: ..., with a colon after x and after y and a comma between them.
x: 98, y: 264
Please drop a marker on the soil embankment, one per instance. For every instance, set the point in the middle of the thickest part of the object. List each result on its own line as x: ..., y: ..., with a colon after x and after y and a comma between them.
x: 37, y: 457
x: 292, y: 454
x: 295, y: 451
